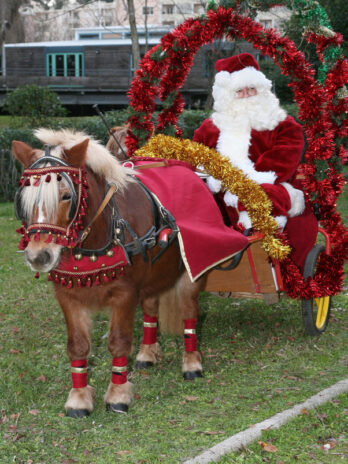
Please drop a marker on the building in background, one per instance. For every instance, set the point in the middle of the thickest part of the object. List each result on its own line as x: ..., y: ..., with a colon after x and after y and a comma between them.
x: 84, y: 53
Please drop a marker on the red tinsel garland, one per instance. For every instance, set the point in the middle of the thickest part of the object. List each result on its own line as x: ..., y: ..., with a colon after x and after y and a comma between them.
x: 163, y: 71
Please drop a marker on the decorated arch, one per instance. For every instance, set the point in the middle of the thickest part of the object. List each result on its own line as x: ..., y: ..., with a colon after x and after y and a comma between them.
x: 321, y: 104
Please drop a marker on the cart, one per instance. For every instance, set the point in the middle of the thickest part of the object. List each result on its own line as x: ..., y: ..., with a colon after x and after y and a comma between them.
x: 257, y: 276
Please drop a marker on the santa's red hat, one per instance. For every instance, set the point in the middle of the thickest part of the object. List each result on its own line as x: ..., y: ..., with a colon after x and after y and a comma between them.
x: 240, y: 71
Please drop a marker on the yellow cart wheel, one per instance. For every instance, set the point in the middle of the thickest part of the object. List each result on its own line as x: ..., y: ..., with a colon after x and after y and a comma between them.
x: 316, y: 311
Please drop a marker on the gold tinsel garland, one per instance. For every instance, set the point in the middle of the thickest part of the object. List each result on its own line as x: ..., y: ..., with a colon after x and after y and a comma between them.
x: 252, y: 196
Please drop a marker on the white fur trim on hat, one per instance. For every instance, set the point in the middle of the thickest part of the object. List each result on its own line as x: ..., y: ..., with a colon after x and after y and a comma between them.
x: 247, y: 77
x: 296, y: 198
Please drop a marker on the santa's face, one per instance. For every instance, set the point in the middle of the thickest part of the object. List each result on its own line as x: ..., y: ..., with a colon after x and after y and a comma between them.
x: 255, y: 107
x: 246, y: 92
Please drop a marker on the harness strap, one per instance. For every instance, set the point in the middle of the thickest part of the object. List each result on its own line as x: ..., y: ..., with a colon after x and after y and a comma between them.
x: 101, y: 208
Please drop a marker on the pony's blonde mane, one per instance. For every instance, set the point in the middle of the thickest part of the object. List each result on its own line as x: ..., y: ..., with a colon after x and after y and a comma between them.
x: 99, y: 159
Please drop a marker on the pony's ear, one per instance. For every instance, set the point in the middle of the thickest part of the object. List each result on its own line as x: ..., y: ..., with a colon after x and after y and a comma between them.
x: 24, y: 153
x: 76, y: 155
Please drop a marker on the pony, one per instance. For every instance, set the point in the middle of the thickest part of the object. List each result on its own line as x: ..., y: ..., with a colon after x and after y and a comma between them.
x: 90, y: 224
x: 118, y: 147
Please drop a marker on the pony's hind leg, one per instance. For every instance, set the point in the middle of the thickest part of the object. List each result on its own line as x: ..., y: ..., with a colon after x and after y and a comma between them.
x: 150, y: 351
x: 81, y: 398
x: 120, y: 391
x: 188, y: 293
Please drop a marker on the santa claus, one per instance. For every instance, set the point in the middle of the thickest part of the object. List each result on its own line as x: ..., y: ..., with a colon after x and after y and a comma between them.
x: 249, y: 127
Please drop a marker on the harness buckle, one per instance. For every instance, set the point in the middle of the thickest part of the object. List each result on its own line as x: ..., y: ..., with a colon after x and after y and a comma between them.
x: 128, y: 164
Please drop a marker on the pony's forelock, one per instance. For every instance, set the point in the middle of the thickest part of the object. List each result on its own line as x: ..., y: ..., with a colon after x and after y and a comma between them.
x: 44, y: 198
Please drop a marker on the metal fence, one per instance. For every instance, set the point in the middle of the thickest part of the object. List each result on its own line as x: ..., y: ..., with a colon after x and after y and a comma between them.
x: 10, y: 173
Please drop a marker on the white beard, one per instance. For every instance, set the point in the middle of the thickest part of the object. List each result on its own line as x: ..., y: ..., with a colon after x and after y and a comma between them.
x: 235, y: 118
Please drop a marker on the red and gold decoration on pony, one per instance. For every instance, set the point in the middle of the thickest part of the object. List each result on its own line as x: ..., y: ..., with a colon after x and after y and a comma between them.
x: 65, y: 236
x: 79, y: 373
x: 321, y: 104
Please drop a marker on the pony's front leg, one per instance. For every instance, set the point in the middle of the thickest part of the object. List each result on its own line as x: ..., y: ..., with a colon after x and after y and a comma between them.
x: 81, y: 398
x: 150, y: 351
x: 120, y: 391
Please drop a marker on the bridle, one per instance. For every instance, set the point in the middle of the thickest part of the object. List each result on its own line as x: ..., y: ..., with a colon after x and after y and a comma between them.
x: 75, y: 179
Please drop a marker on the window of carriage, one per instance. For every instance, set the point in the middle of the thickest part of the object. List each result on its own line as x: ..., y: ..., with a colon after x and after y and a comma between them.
x: 65, y: 64
x: 147, y: 10
x: 167, y: 9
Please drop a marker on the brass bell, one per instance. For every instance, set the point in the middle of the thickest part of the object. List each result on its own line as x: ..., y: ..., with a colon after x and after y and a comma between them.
x: 110, y: 253
x: 78, y: 256
x: 93, y: 258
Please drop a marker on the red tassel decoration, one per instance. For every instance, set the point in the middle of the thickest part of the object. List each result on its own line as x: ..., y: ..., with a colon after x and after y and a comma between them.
x: 190, y: 335
x: 49, y: 238
x: 37, y: 236
x: 59, y: 177
x: 56, y: 279
x: 89, y: 282
x: 79, y: 284
x: 79, y: 373
x: 27, y: 182
x: 70, y: 284
x: 149, y: 330
x: 50, y: 278
x: 105, y: 278
x: 119, y: 370
x: 37, y: 181
x: 48, y: 178
x: 37, y: 275
x: 97, y: 281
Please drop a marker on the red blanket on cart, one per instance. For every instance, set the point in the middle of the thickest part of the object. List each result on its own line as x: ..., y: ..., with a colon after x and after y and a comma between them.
x: 204, y: 239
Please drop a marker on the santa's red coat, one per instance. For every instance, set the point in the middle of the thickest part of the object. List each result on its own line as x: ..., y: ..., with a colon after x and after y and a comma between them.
x: 278, y: 150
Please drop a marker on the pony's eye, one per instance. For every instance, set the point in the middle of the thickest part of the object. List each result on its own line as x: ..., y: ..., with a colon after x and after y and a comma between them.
x: 66, y: 196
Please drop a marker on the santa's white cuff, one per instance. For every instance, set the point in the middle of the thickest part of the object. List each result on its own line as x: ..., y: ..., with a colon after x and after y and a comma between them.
x: 214, y: 184
x: 245, y: 220
x: 296, y: 198
x: 281, y: 221
x: 231, y: 200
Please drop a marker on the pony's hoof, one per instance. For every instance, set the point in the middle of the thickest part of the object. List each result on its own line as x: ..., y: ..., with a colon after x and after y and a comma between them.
x: 77, y: 413
x: 117, y: 407
x: 143, y: 364
x: 192, y: 375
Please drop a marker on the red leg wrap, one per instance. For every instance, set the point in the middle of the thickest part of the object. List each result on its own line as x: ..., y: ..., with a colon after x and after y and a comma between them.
x: 119, y: 370
x: 190, y: 335
x: 79, y: 373
x: 149, y: 330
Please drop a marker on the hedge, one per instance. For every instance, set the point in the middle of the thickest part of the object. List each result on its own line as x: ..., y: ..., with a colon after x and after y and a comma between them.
x: 10, y: 171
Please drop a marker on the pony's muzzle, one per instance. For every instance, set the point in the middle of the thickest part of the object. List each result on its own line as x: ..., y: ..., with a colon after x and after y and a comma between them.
x: 40, y: 259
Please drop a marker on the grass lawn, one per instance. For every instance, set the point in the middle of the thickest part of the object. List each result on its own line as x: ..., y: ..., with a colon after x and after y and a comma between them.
x: 257, y: 361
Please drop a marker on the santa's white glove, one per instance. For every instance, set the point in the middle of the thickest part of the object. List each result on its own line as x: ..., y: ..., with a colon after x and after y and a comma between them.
x: 245, y: 220
x: 214, y: 184
x: 231, y: 200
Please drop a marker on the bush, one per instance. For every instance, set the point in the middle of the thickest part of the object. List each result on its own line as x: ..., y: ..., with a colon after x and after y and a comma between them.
x: 34, y: 105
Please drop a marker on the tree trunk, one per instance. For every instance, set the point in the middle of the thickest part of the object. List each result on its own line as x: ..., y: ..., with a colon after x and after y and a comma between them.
x: 134, y: 34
